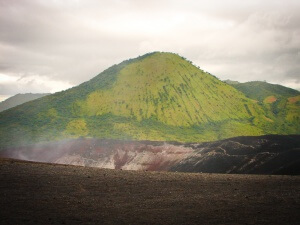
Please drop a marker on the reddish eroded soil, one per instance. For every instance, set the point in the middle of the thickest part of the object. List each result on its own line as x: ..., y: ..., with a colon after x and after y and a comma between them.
x: 269, y: 154
x: 113, y: 154
x: 37, y: 193
x: 294, y: 99
x: 270, y: 99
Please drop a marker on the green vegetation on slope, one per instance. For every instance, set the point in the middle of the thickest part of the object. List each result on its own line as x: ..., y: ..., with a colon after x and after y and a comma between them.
x: 280, y: 104
x: 169, y: 89
x: 260, y: 90
x: 158, y: 96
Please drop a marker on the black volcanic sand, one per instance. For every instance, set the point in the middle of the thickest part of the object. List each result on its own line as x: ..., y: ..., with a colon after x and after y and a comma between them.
x: 37, y: 193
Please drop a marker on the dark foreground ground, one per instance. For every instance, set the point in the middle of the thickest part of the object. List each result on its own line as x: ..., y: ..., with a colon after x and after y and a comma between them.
x: 36, y: 193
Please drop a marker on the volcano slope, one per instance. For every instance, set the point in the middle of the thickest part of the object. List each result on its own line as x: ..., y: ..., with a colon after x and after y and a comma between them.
x: 158, y: 97
x: 273, y: 154
x: 280, y: 103
x: 35, y: 193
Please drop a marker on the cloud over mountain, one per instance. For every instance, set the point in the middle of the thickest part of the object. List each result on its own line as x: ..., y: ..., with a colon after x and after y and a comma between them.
x: 68, y: 42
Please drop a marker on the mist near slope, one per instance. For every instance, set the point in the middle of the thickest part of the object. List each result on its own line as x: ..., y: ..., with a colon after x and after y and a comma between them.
x: 271, y: 154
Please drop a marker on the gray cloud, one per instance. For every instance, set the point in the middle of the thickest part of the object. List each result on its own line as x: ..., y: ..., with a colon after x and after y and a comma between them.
x: 57, y: 44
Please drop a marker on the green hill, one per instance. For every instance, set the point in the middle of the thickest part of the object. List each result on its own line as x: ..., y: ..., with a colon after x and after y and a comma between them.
x: 158, y: 96
x: 18, y: 100
x: 260, y: 90
x: 281, y: 104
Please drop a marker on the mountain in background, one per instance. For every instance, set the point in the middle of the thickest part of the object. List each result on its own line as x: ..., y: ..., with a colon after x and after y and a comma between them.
x: 261, y: 91
x: 279, y: 103
x: 231, y: 81
x: 158, y: 96
x: 19, y: 99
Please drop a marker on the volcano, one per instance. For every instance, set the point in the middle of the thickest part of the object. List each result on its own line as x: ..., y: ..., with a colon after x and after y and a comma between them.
x: 158, y: 97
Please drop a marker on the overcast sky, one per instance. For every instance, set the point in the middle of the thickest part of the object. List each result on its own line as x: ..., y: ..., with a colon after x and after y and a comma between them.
x: 51, y: 45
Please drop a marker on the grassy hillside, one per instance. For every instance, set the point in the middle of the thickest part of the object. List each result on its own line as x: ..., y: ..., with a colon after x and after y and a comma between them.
x: 18, y: 100
x: 158, y: 96
x: 171, y: 90
x: 281, y: 104
x: 259, y: 90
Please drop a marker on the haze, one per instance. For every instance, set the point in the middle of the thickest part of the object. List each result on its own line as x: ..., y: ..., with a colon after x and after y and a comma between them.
x: 48, y: 46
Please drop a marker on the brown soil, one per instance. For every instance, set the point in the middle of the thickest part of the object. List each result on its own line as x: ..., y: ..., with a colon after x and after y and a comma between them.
x: 270, y: 99
x: 294, y: 99
x: 37, y: 193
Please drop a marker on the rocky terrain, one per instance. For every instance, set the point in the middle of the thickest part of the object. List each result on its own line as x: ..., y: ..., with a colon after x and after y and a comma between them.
x: 37, y: 193
x: 271, y: 154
